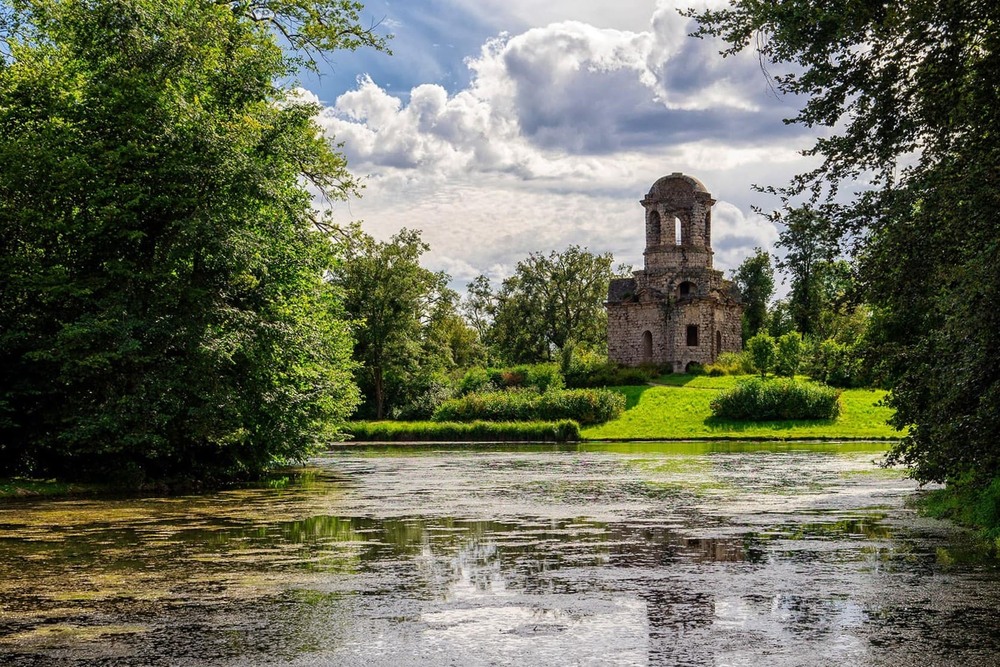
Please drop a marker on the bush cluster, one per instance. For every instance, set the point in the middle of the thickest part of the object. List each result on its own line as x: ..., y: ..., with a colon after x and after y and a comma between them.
x: 731, y: 363
x: 540, y: 377
x: 608, y: 375
x: 838, y: 364
x: 587, y: 406
x: 777, y: 399
x: 565, y: 430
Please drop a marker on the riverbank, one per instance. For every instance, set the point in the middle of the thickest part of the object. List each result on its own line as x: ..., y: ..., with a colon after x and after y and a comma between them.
x: 18, y: 487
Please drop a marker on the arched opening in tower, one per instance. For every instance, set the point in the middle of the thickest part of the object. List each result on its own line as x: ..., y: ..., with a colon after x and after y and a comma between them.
x: 647, y: 347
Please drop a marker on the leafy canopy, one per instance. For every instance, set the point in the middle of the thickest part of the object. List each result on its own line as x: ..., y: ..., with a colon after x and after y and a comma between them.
x: 551, y: 304
x: 908, y: 93
x: 164, y: 312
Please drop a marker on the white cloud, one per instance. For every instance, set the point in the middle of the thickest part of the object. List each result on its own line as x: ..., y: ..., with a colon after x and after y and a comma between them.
x: 559, y: 133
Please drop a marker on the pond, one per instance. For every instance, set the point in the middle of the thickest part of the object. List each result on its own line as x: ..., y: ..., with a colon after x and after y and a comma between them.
x: 596, y: 554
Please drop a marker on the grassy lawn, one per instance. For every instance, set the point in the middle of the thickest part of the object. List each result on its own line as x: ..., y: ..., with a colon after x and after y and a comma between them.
x: 677, y: 408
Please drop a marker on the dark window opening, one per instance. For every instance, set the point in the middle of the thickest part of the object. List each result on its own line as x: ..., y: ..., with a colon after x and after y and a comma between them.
x: 686, y: 288
x: 653, y: 238
x: 692, y: 335
x: 718, y: 342
x: 647, y: 347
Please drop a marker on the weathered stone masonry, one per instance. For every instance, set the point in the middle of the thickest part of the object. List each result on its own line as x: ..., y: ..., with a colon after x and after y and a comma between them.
x: 678, y: 309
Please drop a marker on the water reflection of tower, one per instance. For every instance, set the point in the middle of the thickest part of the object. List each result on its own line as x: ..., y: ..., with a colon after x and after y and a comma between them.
x: 676, y: 610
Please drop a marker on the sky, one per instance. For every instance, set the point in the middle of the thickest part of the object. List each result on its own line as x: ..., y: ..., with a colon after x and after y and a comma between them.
x: 503, y: 127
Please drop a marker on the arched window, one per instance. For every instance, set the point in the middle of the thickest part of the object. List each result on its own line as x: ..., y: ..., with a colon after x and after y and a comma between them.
x: 647, y: 347
x: 677, y: 231
x: 686, y: 288
x: 718, y: 343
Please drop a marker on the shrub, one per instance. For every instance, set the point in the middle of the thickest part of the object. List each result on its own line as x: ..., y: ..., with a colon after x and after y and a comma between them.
x: 731, y: 363
x: 777, y: 399
x: 837, y: 364
x: 762, y: 352
x: 544, y: 377
x: 475, y: 379
x: 789, y: 354
x: 587, y: 406
x: 565, y: 430
x: 608, y: 375
x: 423, y: 397
x: 509, y: 405
x: 540, y: 377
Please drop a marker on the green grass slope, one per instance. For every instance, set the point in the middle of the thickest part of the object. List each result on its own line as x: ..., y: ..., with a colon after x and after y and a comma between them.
x: 677, y: 408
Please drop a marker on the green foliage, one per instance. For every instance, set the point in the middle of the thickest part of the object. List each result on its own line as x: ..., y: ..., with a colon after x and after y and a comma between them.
x: 779, y: 319
x: 544, y: 377
x: 755, y: 278
x: 551, y: 302
x: 763, y: 352
x: 586, y: 406
x: 777, y: 399
x: 408, y: 333
x: 608, y: 375
x: 475, y: 380
x: 589, y: 368
x: 731, y: 363
x: 565, y: 430
x: 163, y: 312
x: 682, y: 411
x: 908, y: 90
x: 837, y: 364
x: 811, y: 249
x: 539, y: 377
x: 789, y: 354
x: 971, y: 502
x: 508, y: 405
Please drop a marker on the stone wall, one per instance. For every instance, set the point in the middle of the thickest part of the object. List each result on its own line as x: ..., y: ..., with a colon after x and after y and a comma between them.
x: 649, y: 315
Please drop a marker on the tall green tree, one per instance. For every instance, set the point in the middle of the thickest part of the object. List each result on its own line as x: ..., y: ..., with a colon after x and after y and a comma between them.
x: 404, y: 314
x: 755, y: 278
x: 163, y: 312
x: 551, y: 302
x: 908, y: 90
x: 811, y: 246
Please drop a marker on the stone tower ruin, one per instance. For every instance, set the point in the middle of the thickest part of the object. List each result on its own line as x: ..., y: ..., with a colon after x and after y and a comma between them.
x: 677, y: 310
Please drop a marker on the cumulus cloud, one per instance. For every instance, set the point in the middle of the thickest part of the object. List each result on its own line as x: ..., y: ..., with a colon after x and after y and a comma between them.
x: 559, y: 132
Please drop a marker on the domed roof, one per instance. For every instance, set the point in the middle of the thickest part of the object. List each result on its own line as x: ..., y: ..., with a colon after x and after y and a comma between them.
x: 662, y: 185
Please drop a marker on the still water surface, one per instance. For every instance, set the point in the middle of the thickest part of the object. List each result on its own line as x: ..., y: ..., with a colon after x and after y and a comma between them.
x: 624, y: 554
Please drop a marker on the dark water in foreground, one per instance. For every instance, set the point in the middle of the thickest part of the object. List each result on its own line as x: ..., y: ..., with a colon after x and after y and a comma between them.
x: 651, y: 554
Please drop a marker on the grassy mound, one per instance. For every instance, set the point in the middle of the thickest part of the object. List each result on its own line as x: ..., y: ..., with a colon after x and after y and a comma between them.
x: 679, y: 408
